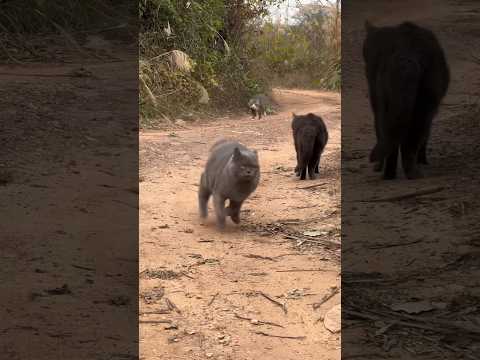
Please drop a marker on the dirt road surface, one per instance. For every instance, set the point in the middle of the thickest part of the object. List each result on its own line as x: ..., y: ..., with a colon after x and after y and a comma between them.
x: 255, y: 290
x: 422, y: 248
x: 68, y: 247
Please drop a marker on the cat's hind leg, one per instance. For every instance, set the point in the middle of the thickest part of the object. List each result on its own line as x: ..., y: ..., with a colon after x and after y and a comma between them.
x: 203, y: 196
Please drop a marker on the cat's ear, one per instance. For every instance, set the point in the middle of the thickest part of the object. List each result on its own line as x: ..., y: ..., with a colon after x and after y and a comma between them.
x: 256, y: 153
x: 294, y: 115
x: 236, y: 153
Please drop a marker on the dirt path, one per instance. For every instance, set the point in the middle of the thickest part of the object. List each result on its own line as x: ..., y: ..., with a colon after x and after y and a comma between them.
x: 422, y: 248
x: 199, y: 287
x: 69, y: 262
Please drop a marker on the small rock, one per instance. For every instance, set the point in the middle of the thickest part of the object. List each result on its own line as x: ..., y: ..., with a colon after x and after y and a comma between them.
x: 332, y: 320
x: 415, y: 307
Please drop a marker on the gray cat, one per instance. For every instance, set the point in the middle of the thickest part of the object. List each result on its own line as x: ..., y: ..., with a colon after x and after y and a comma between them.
x: 258, y: 106
x: 232, y: 172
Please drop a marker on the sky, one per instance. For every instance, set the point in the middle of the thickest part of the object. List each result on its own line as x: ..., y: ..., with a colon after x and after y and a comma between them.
x: 288, y: 7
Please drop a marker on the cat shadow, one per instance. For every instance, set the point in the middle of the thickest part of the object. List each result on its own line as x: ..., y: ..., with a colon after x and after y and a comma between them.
x: 210, y: 223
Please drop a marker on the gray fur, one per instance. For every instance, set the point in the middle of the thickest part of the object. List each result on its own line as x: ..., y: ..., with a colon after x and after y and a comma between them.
x: 232, y: 172
x: 258, y: 105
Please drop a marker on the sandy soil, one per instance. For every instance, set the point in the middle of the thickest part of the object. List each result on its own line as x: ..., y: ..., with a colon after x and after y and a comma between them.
x: 206, y: 294
x: 68, y: 247
x: 420, y: 248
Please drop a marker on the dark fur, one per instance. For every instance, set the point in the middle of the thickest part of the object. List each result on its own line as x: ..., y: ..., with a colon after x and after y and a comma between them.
x: 310, y: 137
x: 258, y: 106
x: 407, y: 76
x: 232, y: 172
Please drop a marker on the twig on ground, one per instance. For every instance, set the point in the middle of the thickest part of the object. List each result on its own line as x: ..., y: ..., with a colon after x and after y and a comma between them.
x: 334, y: 290
x: 385, y: 246
x: 184, y: 273
x: 172, y: 306
x: 306, y: 270
x: 212, y: 299
x: 407, y: 195
x: 305, y: 207
x: 280, y: 336
x: 284, y: 308
x: 158, y: 312
x: 253, y: 256
x: 155, y: 321
x: 259, y: 322
x: 441, y: 326
x: 83, y: 267
x: 311, y: 186
x: 305, y: 239
x: 405, y: 323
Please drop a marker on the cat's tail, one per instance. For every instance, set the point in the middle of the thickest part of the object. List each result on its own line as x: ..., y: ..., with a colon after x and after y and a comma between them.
x: 397, y: 86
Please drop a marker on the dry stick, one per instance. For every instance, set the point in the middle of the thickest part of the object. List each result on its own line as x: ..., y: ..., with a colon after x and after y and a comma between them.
x: 405, y: 323
x: 449, y: 347
x: 259, y: 321
x: 280, y: 336
x: 253, y: 256
x: 212, y: 299
x: 158, y: 312
x: 408, y: 195
x: 384, y: 246
x: 305, y: 239
x: 453, y: 326
x: 172, y: 306
x: 83, y: 267
x: 333, y: 291
x: 284, y: 308
x: 155, y: 321
x: 305, y: 207
x: 311, y: 186
x: 300, y: 270
x: 184, y: 273
x: 456, y: 325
